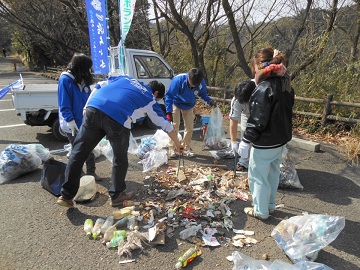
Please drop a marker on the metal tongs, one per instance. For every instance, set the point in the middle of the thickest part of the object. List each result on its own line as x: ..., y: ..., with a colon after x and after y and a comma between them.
x: 181, y: 157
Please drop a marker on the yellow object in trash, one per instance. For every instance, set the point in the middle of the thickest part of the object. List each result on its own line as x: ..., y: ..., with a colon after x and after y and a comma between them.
x: 188, y: 256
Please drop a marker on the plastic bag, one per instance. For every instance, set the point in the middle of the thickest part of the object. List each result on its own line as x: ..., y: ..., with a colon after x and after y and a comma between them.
x: 244, y: 262
x: 288, y: 175
x: 161, y: 138
x: 18, y: 159
x: 153, y: 159
x: 53, y: 176
x: 302, y: 237
x: 133, y: 146
x: 145, y: 146
x: 215, y: 134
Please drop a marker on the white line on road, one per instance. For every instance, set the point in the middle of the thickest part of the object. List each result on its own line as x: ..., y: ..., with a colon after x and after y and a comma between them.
x: 9, y: 126
x: 7, y: 110
x: 5, y: 100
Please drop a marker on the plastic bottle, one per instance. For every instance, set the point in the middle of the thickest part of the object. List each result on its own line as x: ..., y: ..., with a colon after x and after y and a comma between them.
x: 88, y: 227
x: 118, y: 236
x: 97, y: 227
x: 188, y: 256
x: 123, y: 212
x: 122, y: 223
x: 108, y: 222
x: 108, y: 235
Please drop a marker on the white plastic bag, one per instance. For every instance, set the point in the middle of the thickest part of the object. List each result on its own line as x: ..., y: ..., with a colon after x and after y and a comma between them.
x: 133, y: 146
x: 161, y: 138
x: 215, y: 134
x: 18, y: 159
x: 302, y: 237
x: 153, y: 159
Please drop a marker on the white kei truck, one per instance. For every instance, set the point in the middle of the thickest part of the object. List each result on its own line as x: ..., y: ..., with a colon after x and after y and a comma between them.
x: 37, y: 104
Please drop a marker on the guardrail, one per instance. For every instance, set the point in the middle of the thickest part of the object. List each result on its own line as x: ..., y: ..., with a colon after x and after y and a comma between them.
x: 325, y: 116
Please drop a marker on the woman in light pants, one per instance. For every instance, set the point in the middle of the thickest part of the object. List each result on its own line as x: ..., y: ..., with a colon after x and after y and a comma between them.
x: 268, y: 130
x: 265, y: 176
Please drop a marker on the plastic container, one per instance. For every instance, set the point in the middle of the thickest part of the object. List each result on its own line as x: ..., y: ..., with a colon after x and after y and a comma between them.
x: 188, y: 256
x: 88, y: 227
x: 108, y: 223
x: 122, y: 223
x: 97, y: 227
x: 118, y: 236
x: 205, y: 119
x: 123, y: 212
x: 87, y: 189
x: 108, y: 235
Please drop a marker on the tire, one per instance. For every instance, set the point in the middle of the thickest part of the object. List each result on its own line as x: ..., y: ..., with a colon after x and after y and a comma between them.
x: 57, y: 132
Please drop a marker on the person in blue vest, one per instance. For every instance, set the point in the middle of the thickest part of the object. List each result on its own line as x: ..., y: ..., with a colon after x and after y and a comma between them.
x: 73, y: 93
x: 181, y: 99
x: 111, y: 111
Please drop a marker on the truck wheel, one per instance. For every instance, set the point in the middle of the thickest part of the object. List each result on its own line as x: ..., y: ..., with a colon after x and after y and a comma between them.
x: 57, y: 132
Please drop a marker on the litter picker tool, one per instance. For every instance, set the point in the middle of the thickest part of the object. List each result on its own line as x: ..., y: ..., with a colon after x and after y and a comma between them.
x: 180, y: 175
x: 235, y: 163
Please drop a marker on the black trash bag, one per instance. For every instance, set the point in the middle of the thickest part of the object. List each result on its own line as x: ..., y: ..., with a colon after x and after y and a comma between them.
x: 53, y: 176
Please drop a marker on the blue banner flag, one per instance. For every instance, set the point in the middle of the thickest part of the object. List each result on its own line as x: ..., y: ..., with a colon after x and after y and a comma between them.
x: 15, y: 85
x: 98, y: 33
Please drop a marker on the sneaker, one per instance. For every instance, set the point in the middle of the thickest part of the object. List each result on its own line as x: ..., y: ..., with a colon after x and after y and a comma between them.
x: 250, y: 212
x: 241, y: 168
x: 171, y: 153
x: 189, y: 153
x: 123, y: 196
x: 66, y: 203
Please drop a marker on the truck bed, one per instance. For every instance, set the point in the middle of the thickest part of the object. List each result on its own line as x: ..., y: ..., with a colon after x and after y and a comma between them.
x: 36, y: 97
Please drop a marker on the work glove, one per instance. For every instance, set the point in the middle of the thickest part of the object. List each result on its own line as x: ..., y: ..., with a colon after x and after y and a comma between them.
x: 72, y: 125
x: 234, y: 147
x: 169, y: 116
x: 244, y: 149
x: 212, y: 103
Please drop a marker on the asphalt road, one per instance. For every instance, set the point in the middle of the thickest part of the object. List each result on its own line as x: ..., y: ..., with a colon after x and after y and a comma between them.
x: 38, y: 234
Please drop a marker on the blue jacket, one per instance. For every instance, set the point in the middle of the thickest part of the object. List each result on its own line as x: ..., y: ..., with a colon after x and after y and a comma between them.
x: 128, y: 101
x: 184, y: 97
x: 72, y: 98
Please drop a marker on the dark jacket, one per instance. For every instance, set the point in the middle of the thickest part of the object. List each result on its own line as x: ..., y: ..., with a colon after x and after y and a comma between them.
x: 270, y: 121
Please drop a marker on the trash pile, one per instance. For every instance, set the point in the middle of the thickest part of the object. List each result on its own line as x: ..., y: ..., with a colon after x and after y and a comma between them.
x: 195, y: 205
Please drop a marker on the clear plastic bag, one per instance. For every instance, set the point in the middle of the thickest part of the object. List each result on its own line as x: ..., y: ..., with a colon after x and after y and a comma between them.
x: 133, y: 146
x: 288, y: 174
x: 145, y: 146
x: 302, y: 237
x: 18, y: 159
x: 244, y: 262
x: 215, y: 134
x: 153, y: 159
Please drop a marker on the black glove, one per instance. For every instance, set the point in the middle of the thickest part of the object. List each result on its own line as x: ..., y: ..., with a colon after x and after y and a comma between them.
x: 212, y: 103
x: 169, y: 116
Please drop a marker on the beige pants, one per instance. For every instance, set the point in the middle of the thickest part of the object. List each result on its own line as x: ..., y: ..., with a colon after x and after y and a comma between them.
x: 188, y: 117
